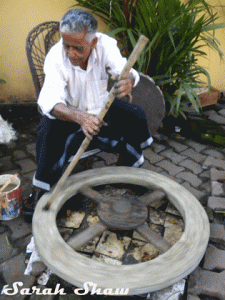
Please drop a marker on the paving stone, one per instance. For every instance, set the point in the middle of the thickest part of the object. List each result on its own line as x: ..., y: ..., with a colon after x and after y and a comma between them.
x: 197, y: 146
x: 175, y: 157
x: 191, y: 165
x: 5, y: 247
x: 216, y: 174
x: 19, y: 154
x: 98, y: 164
x: 27, y: 165
x: 216, y: 203
x: 19, y: 227
x: 31, y: 146
x: 217, y: 188
x: 191, y: 178
x: 198, y: 157
x: 208, y: 283
x: 178, y: 180
x: 111, y: 246
x: 70, y: 297
x: 210, y: 112
x: 214, y: 259
x: 214, y: 153
x: 13, y: 268
x: 217, y: 231
x: 151, y: 156
x: 218, y: 119
x: 213, y: 162
x: 177, y: 146
x: 38, y: 268
x: 198, y: 194
x: 28, y: 282
x: 206, y: 186
x: 205, y: 174
x: 6, y: 164
x: 109, y: 158
x: 146, y: 165
x: 157, y: 147
x: 32, y: 152
x: 171, y: 168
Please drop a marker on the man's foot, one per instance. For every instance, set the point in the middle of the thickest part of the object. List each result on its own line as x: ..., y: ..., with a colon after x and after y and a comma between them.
x: 30, y: 204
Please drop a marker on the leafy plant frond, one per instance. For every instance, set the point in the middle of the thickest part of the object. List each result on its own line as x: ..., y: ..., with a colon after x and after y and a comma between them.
x: 178, y: 35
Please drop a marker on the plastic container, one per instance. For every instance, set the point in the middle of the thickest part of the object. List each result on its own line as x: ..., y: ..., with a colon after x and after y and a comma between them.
x: 10, y: 207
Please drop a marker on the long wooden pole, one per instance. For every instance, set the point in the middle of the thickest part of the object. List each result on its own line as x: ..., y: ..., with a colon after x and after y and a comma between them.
x: 142, y: 41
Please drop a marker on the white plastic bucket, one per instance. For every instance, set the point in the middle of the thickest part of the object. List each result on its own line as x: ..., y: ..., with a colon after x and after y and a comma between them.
x: 10, y: 200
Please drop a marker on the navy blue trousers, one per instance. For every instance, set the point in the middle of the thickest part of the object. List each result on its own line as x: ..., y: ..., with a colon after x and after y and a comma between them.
x: 127, y: 133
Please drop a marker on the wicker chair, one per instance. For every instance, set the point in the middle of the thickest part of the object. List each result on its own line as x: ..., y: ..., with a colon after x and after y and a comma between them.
x: 38, y: 43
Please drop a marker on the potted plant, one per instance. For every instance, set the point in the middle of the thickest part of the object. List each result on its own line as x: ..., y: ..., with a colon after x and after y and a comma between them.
x: 178, y: 33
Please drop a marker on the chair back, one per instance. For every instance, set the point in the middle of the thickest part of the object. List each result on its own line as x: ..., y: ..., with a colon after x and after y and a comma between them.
x: 39, y: 41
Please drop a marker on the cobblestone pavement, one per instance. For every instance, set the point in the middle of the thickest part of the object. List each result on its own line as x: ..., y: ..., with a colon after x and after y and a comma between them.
x: 198, y: 167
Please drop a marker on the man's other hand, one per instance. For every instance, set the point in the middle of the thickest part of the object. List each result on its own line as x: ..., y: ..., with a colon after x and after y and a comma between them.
x: 123, y: 87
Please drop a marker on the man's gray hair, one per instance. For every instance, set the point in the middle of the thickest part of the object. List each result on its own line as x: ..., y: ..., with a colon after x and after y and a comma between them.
x: 78, y: 20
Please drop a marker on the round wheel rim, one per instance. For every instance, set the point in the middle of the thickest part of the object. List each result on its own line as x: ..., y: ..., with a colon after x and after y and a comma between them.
x: 179, y: 261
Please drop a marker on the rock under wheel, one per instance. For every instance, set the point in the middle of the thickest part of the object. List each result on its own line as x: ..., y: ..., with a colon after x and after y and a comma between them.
x: 122, y: 212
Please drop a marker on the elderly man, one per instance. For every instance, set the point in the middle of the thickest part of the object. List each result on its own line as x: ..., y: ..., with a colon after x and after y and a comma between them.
x: 77, y: 70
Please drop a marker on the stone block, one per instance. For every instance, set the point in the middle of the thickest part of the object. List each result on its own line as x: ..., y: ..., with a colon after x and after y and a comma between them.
x: 218, y: 119
x: 27, y: 165
x: 197, y: 146
x: 222, y: 112
x: 151, y: 156
x: 216, y: 203
x: 214, y: 162
x: 191, y: 165
x: 177, y: 146
x: 14, y: 268
x: 216, y: 174
x: 214, y: 259
x: 175, y: 157
x: 217, y: 188
x: 19, y: 154
x: 5, y: 247
x: 198, y: 194
x: 109, y: 158
x: 157, y: 147
x: 18, y: 227
x: 191, y: 178
x: 214, y: 153
x: 208, y: 283
x: 146, y: 165
x: 195, y: 155
x: 217, y: 231
x: 171, y: 168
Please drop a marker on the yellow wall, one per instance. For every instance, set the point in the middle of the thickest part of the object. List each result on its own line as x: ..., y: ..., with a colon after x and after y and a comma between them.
x: 213, y: 64
x: 18, y: 17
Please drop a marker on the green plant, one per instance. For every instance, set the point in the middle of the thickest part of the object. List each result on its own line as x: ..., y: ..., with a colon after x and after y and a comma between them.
x: 2, y: 80
x: 178, y: 33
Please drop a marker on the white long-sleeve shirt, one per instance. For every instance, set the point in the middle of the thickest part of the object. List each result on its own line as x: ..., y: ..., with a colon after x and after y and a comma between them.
x: 85, y: 90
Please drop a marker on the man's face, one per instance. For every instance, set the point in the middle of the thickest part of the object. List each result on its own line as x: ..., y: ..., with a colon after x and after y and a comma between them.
x: 77, y: 48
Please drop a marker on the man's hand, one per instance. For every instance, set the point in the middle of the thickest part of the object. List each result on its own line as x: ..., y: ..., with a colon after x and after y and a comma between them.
x: 90, y: 124
x: 124, y: 87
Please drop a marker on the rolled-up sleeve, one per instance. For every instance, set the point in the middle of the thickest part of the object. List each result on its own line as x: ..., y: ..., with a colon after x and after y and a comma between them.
x: 54, y: 88
x: 116, y: 62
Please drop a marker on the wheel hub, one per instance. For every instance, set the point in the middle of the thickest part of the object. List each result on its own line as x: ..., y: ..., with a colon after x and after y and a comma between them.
x: 125, y: 213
